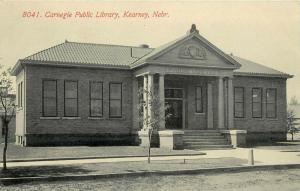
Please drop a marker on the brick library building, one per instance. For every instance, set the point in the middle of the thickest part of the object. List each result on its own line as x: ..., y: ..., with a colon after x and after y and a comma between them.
x: 88, y: 94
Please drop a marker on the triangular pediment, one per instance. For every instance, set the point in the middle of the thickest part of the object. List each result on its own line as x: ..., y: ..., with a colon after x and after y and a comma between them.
x: 193, y: 52
x: 190, y: 50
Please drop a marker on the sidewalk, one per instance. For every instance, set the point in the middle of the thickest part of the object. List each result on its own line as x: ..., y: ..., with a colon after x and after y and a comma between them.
x: 261, y: 156
x: 132, y: 161
x: 213, y: 161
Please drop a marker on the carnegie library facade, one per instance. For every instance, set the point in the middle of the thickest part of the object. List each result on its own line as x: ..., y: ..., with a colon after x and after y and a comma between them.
x: 88, y: 94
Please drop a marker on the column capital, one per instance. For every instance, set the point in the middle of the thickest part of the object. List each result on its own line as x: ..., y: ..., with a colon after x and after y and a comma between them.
x: 161, y: 74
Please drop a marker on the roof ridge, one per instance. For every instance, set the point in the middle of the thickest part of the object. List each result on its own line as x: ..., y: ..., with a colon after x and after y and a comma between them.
x: 90, y: 43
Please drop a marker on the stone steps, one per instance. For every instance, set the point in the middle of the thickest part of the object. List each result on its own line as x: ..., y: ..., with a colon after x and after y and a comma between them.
x: 205, y: 139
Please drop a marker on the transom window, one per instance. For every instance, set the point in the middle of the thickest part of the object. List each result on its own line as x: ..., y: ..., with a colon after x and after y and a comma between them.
x: 96, y: 99
x: 115, y: 100
x: 256, y: 102
x: 239, y: 106
x: 71, y: 98
x: 49, y: 99
x: 271, y: 103
x: 173, y: 93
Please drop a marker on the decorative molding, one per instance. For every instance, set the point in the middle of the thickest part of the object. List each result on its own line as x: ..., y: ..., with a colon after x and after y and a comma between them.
x: 192, y: 51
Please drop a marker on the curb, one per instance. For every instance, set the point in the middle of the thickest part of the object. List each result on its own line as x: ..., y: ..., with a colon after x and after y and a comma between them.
x: 232, y: 169
x: 99, y: 157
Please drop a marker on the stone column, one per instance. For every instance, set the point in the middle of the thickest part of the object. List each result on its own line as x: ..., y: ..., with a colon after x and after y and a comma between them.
x: 135, y: 102
x: 161, y: 90
x: 220, y: 103
x: 230, y: 104
x: 210, y: 118
x: 150, y: 95
x: 145, y: 100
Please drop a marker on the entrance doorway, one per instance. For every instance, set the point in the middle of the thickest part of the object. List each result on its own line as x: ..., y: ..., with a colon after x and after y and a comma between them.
x: 174, y: 105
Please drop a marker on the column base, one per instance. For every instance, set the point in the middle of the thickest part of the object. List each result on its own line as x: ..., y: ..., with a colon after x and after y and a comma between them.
x: 237, y: 137
x: 144, y: 139
x: 171, y: 139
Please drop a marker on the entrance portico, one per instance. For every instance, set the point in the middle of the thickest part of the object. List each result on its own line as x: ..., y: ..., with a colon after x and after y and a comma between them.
x: 178, y: 93
x: 193, y: 80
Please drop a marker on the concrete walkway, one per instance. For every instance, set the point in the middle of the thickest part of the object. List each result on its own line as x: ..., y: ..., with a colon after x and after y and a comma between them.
x: 261, y: 156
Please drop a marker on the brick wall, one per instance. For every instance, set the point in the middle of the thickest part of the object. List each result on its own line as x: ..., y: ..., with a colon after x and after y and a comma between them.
x: 262, y: 128
x: 84, y: 125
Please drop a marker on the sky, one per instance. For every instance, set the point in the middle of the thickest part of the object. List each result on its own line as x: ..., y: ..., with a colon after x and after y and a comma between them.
x: 264, y: 32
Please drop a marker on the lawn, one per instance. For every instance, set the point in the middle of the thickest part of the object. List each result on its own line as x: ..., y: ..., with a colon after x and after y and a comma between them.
x: 18, y: 152
x: 287, y: 180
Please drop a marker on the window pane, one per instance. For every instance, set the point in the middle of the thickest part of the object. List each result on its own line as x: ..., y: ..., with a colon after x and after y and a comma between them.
x: 115, y: 91
x: 168, y: 93
x: 96, y: 108
x: 256, y: 95
x: 96, y: 90
x: 271, y: 95
x: 198, y: 105
x: 256, y: 110
x: 271, y: 110
x: 177, y: 93
x: 49, y: 97
x: 71, y: 107
x: 70, y: 89
x: 115, y: 108
x: 49, y: 88
x: 198, y: 92
x: 239, y: 110
x: 49, y: 107
x: 239, y: 94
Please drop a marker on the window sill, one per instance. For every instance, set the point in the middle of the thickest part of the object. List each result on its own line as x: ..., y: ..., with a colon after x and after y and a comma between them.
x: 200, y: 113
x: 50, y: 118
x: 272, y: 119
x: 96, y: 118
x: 72, y: 118
x: 116, y: 118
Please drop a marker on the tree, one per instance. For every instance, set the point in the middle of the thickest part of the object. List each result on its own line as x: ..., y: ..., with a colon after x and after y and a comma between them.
x: 294, y: 101
x: 8, y: 107
x: 151, y: 121
x: 291, y: 123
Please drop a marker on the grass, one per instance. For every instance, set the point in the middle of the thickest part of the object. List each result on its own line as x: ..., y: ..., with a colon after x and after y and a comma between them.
x: 18, y: 152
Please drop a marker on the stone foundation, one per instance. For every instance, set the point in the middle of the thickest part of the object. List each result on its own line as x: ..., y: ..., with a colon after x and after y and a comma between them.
x: 80, y: 139
x: 263, y: 137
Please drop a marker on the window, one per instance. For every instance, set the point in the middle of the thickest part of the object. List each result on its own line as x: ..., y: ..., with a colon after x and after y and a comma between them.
x: 199, y: 103
x: 71, y: 98
x: 20, y: 92
x: 21, y: 97
x: 96, y: 99
x: 49, y: 98
x: 239, y: 110
x: 115, y: 100
x: 257, y: 102
x: 271, y: 103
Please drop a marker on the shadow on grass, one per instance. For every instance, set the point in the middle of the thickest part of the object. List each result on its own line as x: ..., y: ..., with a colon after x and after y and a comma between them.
x: 39, y: 171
